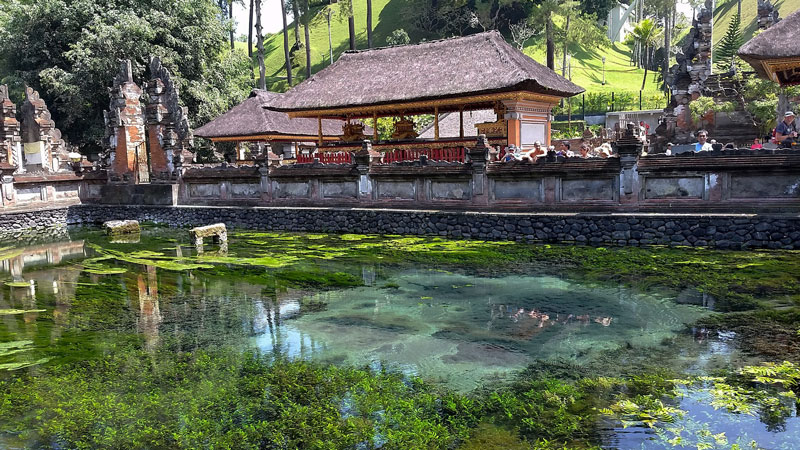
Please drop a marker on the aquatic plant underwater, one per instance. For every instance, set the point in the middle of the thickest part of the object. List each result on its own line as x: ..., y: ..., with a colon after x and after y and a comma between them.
x: 358, y: 341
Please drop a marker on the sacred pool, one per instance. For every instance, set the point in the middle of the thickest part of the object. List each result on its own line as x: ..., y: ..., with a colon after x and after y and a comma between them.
x: 384, y: 341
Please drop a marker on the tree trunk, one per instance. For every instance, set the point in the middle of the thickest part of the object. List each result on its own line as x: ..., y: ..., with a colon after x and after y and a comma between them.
x: 230, y: 17
x: 308, y: 43
x: 351, y: 24
x: 285, y: 43
x: 645, y: 69
x: 296, y: 12
x: 250, y: 31
x: 369, y: 23
x: 330, y: 41
x: 666, y: 50
x: 566, y: 46
x: 262, y: 72
x: 739, y: 8
x: 551, y: 63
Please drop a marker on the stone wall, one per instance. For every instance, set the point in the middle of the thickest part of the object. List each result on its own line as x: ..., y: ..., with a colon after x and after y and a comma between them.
x: 712, y: 230
x: 731, y: 181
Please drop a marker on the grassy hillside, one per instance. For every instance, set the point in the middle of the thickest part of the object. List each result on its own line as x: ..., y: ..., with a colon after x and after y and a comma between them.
x: 727, y: 9
x: 388, y: 16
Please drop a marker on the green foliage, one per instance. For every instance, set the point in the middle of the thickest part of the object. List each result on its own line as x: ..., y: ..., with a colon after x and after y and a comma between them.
x: 761, y: 101
x: 728, y: 47
x: 703, y: 106
x: 398, y: 37
x: 69, y: 50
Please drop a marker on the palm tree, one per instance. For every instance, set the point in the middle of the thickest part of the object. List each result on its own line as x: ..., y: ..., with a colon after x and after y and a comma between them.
x: 646, y: 33
x: 285, y: 44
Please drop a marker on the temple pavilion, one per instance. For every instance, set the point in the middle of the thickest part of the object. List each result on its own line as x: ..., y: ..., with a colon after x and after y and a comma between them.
x: 250, y: 122
x: 774, y: 53
x: 454, y: 76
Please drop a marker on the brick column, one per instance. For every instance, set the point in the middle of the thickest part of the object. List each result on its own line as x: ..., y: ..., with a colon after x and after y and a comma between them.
x: 125, y: 129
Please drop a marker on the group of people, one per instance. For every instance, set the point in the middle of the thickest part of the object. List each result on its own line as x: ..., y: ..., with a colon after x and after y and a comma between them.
x: 562, y: 150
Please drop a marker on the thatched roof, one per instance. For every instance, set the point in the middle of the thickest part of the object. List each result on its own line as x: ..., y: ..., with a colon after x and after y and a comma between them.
x: 250, y: 118
x: 776, y: 42
x: 482, y: 63
x: 449, y: 124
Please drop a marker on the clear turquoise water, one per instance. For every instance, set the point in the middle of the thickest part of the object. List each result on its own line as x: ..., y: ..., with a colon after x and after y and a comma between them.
x: 463, y: 328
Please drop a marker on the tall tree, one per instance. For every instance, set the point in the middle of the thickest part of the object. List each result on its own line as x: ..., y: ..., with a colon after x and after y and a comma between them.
x: 262, y: 72
x: 74, y: 61
x: 369, y: 23
x: 346, y: 10
x: 296, y: 15
x: 545, y: 12
x: 579, y: 29
x: 286, y: 45
x: 250, y: 31
x: 306, y: 19
x: 666, y: 9
x: 646, y: 34
x: 230, y: 24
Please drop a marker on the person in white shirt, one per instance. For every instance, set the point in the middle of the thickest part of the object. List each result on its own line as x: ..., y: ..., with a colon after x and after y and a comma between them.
x: 702, y: 145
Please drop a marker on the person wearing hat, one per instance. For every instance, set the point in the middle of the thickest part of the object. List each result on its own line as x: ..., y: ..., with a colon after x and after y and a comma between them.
x: 786, y: 131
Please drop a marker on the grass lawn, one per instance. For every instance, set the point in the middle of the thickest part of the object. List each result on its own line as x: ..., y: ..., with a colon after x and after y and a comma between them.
x: 727, y: 9
x: 587, y: 67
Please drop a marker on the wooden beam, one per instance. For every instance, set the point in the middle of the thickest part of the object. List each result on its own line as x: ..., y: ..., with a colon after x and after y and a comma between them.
x: 319, y: 128
x: 461, y: 123
x: 436, y: 123
x: 273, y: 137
x: 374, y: 126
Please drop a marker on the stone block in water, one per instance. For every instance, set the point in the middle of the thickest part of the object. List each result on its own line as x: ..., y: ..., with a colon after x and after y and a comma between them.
x: 116, y: 227
x: 217, y: 231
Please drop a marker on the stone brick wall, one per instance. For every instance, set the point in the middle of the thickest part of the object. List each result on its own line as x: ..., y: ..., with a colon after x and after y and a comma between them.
x: 711, y: 230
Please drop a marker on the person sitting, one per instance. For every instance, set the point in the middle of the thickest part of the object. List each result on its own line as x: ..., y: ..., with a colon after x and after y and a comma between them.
x: 702, y: 145
x: 563, y: 147
x: 511, y: 154
x: 668, y: 150
x: 729, y: 146
x: 537, y: 151
x: 756, y: 144
x: 586, y: 151
x: 786, y: 131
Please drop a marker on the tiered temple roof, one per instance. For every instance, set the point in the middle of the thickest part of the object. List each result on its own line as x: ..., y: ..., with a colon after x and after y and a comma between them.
x: 251, y: 120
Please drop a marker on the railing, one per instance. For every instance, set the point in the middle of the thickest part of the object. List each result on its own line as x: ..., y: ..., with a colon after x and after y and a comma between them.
x: 326, y: 158
x: 448, y: 154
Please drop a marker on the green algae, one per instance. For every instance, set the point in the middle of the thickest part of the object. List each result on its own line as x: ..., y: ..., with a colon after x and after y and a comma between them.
x: 553, y: 410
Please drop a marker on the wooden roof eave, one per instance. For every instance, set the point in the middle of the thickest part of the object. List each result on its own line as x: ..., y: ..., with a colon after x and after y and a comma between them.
x: 274, y: 137
x: 452, y: 104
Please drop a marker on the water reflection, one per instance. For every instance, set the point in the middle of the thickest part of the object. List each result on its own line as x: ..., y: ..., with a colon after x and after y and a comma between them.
x: 455, y: 328
x: 149, y: 312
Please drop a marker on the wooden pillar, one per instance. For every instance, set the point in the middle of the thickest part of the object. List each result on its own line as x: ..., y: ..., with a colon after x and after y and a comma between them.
x: 461, y: 123
x: 436, y: 123
x: 374, y: 126
x: 319, y: 129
